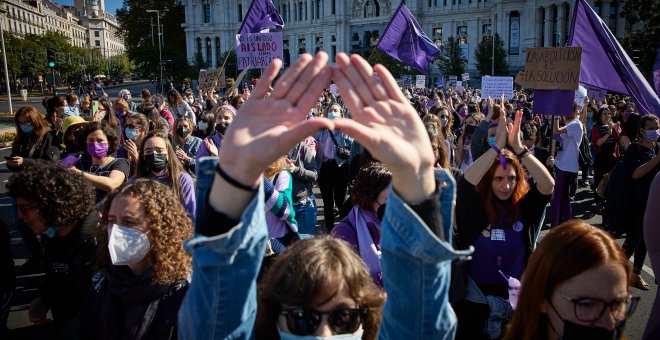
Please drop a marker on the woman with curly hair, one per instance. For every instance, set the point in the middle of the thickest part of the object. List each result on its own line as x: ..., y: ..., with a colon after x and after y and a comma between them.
x: 361, y: 228
x: 143, y: 269
x: 103, y: 171
x: 60, y: 208
x: 159, y: 161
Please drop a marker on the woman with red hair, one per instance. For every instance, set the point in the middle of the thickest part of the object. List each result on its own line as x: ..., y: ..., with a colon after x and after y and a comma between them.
x: 497, y: 212
x: 559, y: 298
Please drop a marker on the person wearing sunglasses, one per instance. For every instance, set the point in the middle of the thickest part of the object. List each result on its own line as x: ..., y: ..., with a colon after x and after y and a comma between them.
x: 320, y: 287
x: 558, y: 298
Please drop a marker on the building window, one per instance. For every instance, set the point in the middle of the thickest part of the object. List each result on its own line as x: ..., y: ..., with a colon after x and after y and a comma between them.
x: 285, y: 16
x: 207, y: 13
x: 96, y: 34
x: 199, y: 47
x: 319, y: 9
x: 240, y: 12
x: 319, y: 44
x: 208, y: 52
x: 333, y: 52
x: 461, y: 30
x: 486, y: 30
x: 437, y: 31
x: 333, y: 9
x: 218, y: 52
x: 300, y: 11
x: 301, y: 46
x: 97, y: 43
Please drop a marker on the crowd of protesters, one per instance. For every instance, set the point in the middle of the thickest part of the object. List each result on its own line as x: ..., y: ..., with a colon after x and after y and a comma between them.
x: 193, y: 215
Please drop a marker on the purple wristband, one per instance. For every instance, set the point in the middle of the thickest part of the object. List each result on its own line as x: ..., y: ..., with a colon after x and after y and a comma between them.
x: 500, y: 156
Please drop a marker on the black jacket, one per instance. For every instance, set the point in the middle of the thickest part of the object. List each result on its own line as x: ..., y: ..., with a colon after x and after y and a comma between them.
x: 47, y: 150
x: 122, y: 305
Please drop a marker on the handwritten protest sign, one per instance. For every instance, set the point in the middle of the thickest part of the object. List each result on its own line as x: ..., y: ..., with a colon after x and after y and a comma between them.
x: 257, y: 50
x: 210, y: 79
x: 420, y: 81
x: 551, y: 68
x: 595, y: 93
x: 495, y: 86
x: 407, y: 80
x: 453, y: 80
x: 465, y: 76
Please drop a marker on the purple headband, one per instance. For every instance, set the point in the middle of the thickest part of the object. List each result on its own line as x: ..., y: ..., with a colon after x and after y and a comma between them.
x: 500, y: 156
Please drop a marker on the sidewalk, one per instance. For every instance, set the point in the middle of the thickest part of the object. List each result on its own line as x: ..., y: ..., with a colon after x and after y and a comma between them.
x: 18, y: 97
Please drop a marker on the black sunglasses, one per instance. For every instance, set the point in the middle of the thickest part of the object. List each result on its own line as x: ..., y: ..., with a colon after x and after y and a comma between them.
x: 302, y: 321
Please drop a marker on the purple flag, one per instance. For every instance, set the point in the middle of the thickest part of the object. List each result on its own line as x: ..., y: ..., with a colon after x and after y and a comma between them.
x: 405, y: 41
x: 604, y: 62
x: 656, y: 73
x: 553, y: 102
x: 261, y: 15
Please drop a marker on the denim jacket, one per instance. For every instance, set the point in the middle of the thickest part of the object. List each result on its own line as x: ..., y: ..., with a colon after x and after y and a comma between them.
x: 323, y: 137
x: 222, y: 300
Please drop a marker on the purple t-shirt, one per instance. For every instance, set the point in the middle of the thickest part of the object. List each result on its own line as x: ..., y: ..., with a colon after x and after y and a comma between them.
x: 498, y: 249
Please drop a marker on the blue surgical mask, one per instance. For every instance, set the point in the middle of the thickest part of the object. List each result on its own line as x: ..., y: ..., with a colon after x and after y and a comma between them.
x: 653, y: 135
x: 131, y: 134
x: 27, y: 128
x: 491, y: 141
x: 333, y: 115
x: 50, y: 232
x: 590, y: 114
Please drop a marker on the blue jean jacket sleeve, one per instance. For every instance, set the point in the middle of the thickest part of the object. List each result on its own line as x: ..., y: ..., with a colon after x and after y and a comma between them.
x: 416, y: 270
x: 222, y: 300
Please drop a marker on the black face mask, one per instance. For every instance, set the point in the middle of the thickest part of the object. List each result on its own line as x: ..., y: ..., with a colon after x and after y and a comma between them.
x: 576, y: 331
x: 182, y: 131
x: 221, y: 128
x: 380, y: 212
x: 470, y: 128
x: 156, y: 162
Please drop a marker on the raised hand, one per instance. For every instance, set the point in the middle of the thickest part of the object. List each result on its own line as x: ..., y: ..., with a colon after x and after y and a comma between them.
x: 514, y: 139
x: 501, y: 135
x: 266, y: 128
x: 387, y: 125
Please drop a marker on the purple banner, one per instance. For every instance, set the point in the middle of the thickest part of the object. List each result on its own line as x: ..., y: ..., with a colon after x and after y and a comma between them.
x: 553, y: 102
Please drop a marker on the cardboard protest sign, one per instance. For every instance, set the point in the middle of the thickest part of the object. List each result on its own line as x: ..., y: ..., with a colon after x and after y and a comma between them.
x: 465, y: 76
x: 551, y: 68
x: 257, y: 50
x: 453, y: 80
x: 495, y: 86
x: 420, y: 81
x: 210, y: 79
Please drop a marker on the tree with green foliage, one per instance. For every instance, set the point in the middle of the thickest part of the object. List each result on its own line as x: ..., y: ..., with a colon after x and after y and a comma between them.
x: 451, y: 61
x: 396, y: 68
x: 642, y: 45
x: 483, y: 55
x: 143, y: 50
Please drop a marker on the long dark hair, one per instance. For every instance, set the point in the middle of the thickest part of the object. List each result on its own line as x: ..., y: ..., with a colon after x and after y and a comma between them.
x: 485, y: 188
x: 110, y: 118
x: 39, y: 124
x: 174, y: 167
x: 51, y: 104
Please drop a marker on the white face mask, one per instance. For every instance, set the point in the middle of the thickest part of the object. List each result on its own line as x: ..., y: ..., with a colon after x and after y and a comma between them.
x: 203, y: 125
x: 288, y: 336
x: 127, y: 245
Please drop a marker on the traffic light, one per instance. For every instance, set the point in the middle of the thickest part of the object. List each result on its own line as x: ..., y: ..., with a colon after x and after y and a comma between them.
x: 51, y: 57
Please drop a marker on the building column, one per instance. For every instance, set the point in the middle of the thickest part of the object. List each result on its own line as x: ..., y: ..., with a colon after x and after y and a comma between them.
x: 547, y: 36
x: 620, y: 23
x: 605, y: 11
x: 561, y: 23
x: 539, y: 27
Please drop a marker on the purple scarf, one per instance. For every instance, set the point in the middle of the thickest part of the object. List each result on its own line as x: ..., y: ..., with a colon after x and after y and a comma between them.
x: 369, y: 253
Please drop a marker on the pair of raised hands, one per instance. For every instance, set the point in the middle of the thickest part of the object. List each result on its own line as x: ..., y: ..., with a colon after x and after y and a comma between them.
x: 384, y: 121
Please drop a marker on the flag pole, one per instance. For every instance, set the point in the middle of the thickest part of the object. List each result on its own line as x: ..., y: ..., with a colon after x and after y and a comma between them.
x: 371, y: 54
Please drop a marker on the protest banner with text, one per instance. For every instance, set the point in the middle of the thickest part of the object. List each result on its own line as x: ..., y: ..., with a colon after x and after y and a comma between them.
x: 420, y: 81
x: 494, y: 87
x: 210, y: 79
x: 257, y: 50
x: 551, y: 68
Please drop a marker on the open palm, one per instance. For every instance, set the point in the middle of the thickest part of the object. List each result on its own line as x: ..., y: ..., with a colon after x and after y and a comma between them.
x: 266, y: 128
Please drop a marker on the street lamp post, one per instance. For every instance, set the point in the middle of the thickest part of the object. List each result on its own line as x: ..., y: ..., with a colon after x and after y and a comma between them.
x: 4, y: 61
x: 160, y: 54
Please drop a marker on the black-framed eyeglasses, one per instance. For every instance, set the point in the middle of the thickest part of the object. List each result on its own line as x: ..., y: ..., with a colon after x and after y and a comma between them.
x: 589, y: 309
x: 305, y: 321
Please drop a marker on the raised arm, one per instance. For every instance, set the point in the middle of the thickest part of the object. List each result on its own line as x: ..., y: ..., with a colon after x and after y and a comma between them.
x: 478, y: 169
x: 544, y: 181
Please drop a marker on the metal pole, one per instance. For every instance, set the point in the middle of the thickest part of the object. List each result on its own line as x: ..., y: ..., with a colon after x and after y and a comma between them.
x: 160, y: 53
x: 4, y: 61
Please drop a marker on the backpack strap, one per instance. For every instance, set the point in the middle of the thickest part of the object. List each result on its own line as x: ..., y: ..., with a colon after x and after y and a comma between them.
x: 148, y: 318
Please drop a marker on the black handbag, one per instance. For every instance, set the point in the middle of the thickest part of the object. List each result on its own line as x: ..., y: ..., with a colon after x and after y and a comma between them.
x: 342, y: 153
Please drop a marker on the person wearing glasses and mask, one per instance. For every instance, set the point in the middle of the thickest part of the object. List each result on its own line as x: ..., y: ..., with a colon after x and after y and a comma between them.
x: 320, y: 287
x: 143, y: 269
x: 559, y: 299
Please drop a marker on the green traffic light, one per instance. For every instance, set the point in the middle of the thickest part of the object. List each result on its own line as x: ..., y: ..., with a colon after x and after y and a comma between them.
x: 51, y: 64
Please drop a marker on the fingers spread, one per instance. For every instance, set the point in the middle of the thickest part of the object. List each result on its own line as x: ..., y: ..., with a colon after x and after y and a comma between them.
x: 393, y: 90
x: 319, y: 83
x: 309, y: 77
x: 289, y: 78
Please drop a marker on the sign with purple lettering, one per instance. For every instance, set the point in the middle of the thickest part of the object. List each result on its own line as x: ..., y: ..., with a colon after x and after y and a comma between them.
x: 257, y: 50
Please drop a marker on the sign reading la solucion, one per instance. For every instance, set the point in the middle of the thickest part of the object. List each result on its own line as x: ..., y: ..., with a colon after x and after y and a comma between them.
x: 554, y: 68
x: 257, y: 50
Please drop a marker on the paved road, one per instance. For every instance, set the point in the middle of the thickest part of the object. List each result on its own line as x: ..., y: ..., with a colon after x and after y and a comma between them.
x: 134, y: 87
x: 27, y: 284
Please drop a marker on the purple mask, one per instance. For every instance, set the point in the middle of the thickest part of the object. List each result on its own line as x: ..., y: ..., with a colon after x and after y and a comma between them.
x: 463, y: 112
x: 97, y: 150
